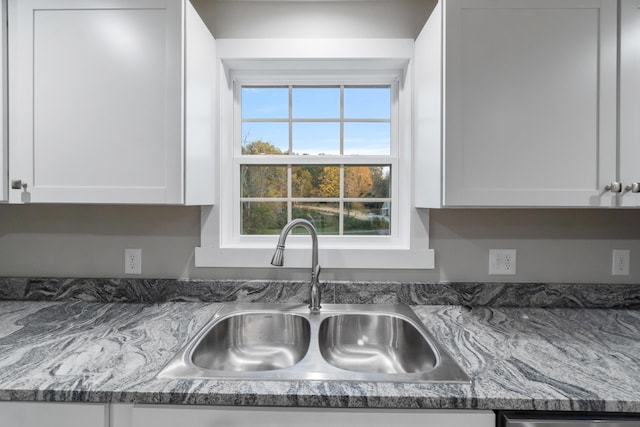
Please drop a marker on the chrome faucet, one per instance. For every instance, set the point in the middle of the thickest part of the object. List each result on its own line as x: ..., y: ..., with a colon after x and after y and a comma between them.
x: 278, y: 258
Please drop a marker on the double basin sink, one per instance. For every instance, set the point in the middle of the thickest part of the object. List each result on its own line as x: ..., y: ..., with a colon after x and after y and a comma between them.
x: 341, y: 342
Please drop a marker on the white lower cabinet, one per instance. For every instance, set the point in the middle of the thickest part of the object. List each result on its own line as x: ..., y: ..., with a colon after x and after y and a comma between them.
x: 38, y: 414
x: 207, y: 416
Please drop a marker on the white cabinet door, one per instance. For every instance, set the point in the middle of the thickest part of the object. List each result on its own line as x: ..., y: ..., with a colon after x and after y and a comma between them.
x: 38, y: 414
x: 530, y: 102
x: 97, y: 100
x: 4, y: 155
x: 630, y: 102
x: 194, y: 416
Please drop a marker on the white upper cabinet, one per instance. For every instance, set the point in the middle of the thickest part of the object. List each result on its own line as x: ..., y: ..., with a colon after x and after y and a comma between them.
x: 630, y: 102
x: 529, y: 103
x: 4, y: 171
x: 111, y: 101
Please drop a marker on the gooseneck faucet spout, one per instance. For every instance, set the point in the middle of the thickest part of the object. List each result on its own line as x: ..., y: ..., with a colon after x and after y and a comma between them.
x: 278, y: 258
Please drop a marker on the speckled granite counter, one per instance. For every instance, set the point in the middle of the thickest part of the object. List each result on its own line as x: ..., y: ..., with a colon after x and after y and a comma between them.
x: 518, y: 358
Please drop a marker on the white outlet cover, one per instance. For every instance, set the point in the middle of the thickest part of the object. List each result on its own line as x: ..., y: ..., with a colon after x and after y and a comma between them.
x: 502, y: 262
x: 133, y: 261
x: 620, y: 262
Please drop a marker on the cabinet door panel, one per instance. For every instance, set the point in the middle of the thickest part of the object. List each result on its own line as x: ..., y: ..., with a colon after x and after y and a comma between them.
x: 98, y: 108
x: 96, y: 73
x: 630, y: 99
x: 4, y: 171
x: 167, y: 416
x: 38, y: 414
x: 530, y: 112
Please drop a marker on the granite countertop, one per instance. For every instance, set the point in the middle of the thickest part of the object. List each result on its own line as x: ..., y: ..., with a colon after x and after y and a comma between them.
x: 571, y: 359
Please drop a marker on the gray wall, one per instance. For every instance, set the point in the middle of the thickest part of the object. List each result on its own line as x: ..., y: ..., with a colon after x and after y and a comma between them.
x: 314, y: 19
x: 89, y: 241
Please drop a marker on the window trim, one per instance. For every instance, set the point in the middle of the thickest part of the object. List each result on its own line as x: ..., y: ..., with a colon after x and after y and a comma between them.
x: 409, y: 250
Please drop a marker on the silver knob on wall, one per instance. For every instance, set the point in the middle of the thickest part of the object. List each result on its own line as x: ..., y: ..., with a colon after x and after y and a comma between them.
x: 634, y: 187
x: 614, y: 187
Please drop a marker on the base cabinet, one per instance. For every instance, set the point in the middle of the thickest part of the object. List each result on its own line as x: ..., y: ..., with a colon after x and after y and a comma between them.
x: 196, y: 416
x: 38, y: 414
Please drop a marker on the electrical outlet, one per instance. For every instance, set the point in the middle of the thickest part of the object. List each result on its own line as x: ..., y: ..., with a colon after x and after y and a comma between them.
x: 620, y: 262
x: 133, y: 261
x: 502, y: 261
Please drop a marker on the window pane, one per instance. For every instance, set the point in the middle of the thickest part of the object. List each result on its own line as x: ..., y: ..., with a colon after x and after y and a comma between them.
x: 367, y: 138
x: 315, y: 181
x: 367, y: 102
x: 329, y: 182
x: 265, y: 138
x: 367, y: 181
x: 263, y: 181
x: 325, y: 217
x: 367, y: 218
x: 263, y: 217
x: 265, y: 102
x: 316, y: 103
x: 316, y: 138
x: 305, y: 181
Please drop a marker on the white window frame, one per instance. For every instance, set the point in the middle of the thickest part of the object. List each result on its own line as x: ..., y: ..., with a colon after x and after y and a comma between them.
x: 260, y: 64
x: 231, y: 217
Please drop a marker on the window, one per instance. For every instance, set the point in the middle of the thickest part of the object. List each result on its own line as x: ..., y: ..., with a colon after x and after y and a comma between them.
x: 323, y: 153
x: 320, y: 130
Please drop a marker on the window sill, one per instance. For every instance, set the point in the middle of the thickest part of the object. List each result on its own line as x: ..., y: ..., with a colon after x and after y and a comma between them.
x: 327, y: 258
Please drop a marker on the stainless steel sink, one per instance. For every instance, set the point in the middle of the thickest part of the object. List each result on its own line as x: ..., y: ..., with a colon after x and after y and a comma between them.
x: 375, y: 343
x: 253, y: 342
x: 341, y: 342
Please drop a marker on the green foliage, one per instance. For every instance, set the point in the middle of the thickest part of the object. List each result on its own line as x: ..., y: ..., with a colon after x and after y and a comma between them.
x: 263, y: 218
x: 375, y: 226
x: 324, y: 222
x: 302, y: 183
x: 380, y: 182
x: 260, y: 147
x: 262, y: 181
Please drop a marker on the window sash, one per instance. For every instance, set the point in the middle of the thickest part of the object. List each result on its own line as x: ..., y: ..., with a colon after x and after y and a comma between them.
x: 342, y: 200
x: 341, y: 81
x: 293, y: 160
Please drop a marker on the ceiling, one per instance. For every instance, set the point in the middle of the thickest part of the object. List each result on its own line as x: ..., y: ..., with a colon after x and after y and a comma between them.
x: 315, y: 18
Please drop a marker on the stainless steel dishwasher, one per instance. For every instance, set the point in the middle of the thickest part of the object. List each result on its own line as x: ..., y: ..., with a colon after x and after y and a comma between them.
x: 566, y: 419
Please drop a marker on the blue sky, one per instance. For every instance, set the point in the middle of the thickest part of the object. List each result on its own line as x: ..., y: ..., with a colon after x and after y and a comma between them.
x: 319, y: 103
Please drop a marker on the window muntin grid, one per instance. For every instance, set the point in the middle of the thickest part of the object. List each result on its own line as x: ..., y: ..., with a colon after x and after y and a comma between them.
x: 281, y: 141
